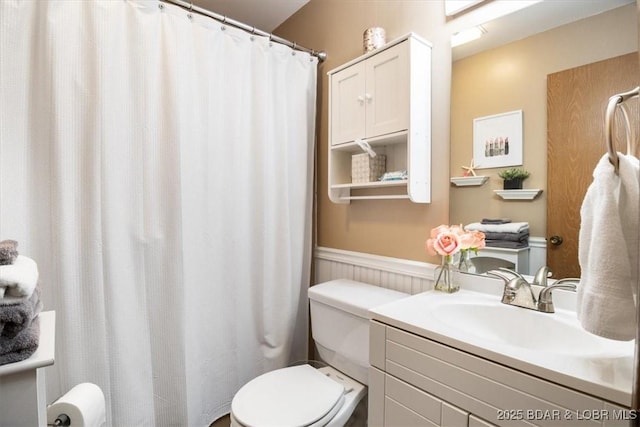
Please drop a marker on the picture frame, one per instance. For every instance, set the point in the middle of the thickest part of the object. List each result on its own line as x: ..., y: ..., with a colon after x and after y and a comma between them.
x: 497, y: 140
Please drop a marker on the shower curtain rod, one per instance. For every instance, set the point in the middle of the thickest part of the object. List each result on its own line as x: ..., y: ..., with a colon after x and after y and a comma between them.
x: 321, y: 55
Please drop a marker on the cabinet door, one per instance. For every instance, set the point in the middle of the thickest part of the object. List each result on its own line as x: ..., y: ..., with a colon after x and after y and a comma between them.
x: 348, y: 104
x: 387, y: 91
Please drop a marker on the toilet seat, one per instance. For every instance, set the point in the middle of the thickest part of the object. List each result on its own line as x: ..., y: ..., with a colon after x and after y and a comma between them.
x: 303, y: 397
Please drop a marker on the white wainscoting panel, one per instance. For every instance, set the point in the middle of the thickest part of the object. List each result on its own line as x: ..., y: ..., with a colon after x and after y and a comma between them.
x: 537, y: 254
x: 403, y: 275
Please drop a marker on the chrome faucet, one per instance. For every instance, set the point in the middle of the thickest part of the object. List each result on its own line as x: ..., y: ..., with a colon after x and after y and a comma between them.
x: 519, y: 292
x: 545, y: 300
x: 541, y: 276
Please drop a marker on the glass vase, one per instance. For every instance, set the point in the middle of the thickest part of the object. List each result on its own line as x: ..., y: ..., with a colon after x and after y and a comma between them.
x: 465, y: 265
x: 446, y: 276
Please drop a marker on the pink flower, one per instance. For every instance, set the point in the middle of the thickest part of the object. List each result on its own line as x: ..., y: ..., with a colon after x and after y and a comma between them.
x: 439, y: 229
x: 443, y: 241
x: 447, y: 240
x: 472, y: 240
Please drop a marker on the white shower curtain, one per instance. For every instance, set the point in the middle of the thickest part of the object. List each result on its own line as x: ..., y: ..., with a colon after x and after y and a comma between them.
x: 158, y: 168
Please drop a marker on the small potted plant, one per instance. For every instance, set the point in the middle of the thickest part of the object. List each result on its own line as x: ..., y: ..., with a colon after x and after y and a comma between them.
x: 513, y: 178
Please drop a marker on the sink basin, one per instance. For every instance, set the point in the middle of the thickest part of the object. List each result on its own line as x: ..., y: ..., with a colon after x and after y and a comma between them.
x: 560, y: 333
x: 553, y: 346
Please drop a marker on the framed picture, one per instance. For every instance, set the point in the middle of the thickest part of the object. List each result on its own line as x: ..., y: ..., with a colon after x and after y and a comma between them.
x: 497, y: 140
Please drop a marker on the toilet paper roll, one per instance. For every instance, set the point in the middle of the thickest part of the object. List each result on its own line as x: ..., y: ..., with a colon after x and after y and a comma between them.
x: 84, y: 405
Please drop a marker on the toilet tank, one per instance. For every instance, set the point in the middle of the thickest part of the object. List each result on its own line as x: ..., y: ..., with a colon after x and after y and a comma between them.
x: 340, y: 323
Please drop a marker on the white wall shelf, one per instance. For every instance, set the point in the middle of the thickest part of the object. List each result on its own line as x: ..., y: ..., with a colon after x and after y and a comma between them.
x: 525, y: 194
x: 468, y: 181
x: 384, y: 99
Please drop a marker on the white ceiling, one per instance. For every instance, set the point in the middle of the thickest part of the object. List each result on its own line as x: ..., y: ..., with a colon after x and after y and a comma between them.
x: 535, y: 19
x: 267, y: 15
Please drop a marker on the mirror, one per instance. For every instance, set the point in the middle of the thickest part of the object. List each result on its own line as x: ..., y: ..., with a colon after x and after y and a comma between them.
x: 506, y: 70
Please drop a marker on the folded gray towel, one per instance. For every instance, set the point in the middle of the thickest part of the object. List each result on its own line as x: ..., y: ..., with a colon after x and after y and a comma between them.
x: 512, y: 237
x: 22, y: 346
x: 8, y: 252
x: 17, y: 316
x: 495, y: 221
x: 506, y: 244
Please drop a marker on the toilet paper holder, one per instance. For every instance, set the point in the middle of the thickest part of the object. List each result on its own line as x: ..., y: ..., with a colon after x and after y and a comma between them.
x: 82, y: 406
x: 61, y: 420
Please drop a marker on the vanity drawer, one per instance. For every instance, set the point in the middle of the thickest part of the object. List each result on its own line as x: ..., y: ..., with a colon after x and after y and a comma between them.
x: 482, y: 387
x: 424, y: 404
x: 398, y: 415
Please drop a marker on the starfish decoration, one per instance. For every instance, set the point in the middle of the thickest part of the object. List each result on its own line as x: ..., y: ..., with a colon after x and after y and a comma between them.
x: 469, y: 170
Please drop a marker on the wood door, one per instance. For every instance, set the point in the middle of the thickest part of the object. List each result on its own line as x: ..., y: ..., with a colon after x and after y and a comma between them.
x: 576, y: 104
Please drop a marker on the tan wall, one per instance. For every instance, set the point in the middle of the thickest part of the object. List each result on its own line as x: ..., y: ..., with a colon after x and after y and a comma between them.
x: 513, y: 77
x: 504, y: 79
x: 395, y: 228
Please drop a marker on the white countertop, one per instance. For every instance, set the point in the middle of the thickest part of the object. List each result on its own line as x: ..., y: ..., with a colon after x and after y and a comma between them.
x: 605, y: 372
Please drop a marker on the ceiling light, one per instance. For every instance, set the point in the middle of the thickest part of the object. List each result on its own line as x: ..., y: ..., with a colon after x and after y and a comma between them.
x: 465, y: 36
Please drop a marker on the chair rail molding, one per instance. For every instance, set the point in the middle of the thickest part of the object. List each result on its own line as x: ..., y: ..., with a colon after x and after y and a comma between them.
x: 393, y: 273
x: 403, y: 275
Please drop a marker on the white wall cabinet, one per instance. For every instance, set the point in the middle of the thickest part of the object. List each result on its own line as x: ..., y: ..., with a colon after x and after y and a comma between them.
x: 384, y: 99
x: 415, y: 381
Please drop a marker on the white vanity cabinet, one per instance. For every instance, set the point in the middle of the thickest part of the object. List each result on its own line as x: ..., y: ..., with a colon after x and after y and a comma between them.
x: 384, y: 99
x: 415, y: 381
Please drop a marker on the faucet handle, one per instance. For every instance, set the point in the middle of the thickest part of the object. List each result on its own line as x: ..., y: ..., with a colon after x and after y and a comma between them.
x: 513, y: 272
x: 545, y: 299
x: 496, y: 273
x: 541, y: 276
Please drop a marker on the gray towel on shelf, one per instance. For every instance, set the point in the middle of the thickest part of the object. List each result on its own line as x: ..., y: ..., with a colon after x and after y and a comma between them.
x: 22, y: 346
x: 495, y: 221
x: 511, y: 227
x: 506, y: 244
x: 17, y: 316
x: 512, y: 237
x: 8, y: 252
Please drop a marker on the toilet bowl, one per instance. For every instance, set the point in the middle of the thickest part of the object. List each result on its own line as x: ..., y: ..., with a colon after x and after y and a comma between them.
x: 305, y: 395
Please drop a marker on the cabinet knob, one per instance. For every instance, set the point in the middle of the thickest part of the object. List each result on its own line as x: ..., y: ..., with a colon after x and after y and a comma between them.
x: 555, y: 240
x: 368, y: 97
x: 361, y: 99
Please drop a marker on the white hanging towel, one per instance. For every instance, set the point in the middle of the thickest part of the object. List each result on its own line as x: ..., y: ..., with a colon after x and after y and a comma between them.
x: 608, y: 250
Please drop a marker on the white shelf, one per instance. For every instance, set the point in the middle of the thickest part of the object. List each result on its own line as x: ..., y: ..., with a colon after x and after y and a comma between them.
x: 382, y: 197
x: 388, y: 139
x: 22, y: 384
x: 374, y: 184
x: 524, y: 194
x: 468, y: 181
x: 44, y: 354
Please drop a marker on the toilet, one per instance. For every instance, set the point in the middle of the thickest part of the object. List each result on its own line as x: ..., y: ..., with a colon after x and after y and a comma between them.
x: 306, y: 395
